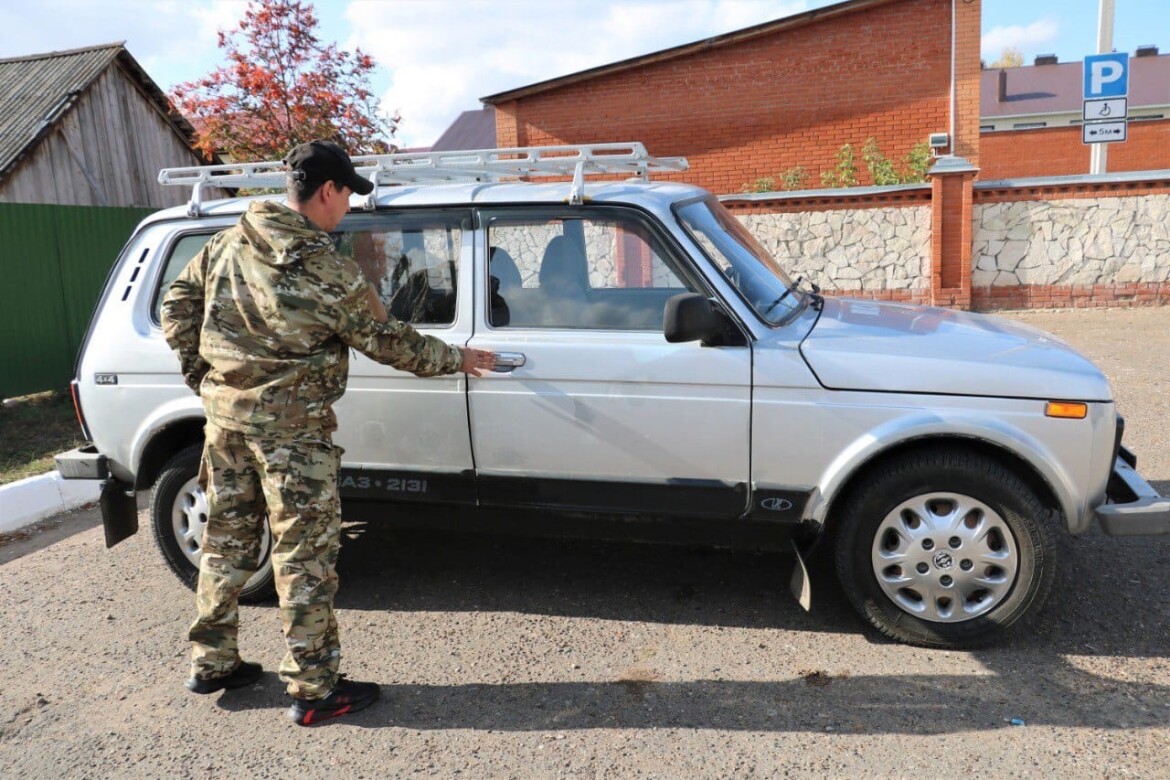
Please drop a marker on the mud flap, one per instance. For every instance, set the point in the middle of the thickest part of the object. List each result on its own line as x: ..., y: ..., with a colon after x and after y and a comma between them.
x: 801, y: 585
x: 119, y: 506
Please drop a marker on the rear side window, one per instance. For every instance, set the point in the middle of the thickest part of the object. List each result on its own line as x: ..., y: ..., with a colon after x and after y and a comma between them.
x: 412, y: 261
x: 181, y: 253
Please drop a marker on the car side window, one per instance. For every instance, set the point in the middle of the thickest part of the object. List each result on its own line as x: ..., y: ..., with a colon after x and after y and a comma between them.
x: 413, y: 263
x: 182, y: 251
x: 603, y: 273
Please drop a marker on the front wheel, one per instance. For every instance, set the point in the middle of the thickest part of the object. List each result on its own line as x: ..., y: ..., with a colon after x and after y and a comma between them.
x: 178, y: 515
x: 945, y: 549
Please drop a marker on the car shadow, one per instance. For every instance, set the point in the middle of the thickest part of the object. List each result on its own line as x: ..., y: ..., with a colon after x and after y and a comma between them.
x: 495, y: 563
x: 1069, y: 669
x: 887, y: 704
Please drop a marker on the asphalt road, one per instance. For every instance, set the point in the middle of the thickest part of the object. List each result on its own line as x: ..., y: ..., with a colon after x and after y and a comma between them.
x: 504, y: 657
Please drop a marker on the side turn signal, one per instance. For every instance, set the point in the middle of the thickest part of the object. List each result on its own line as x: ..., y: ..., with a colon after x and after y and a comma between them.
x: 1066, y: 409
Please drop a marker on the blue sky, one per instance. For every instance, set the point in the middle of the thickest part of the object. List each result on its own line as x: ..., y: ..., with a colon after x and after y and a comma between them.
x: 437, y: 57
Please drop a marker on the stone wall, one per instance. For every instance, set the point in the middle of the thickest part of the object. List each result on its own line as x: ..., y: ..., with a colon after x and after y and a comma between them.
x: 871, y: 250
x: 1083, y: 241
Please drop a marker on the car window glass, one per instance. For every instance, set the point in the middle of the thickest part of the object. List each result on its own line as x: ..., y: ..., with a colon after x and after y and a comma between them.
x: 181, y: 253
x: 742, y: 260
x: 413, y: 262
x: 607, y: 273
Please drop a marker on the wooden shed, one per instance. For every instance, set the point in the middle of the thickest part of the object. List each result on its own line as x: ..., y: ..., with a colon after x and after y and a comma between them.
x: 89, y: 127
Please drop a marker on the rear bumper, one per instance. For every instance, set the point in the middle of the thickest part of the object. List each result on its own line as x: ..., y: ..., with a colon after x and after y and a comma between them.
x: 83, y: 463
x: 1134, y: 508
x: 119, y: 508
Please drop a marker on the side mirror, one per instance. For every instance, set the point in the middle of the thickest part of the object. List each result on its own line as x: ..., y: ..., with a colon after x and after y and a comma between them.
x: 691, y: 317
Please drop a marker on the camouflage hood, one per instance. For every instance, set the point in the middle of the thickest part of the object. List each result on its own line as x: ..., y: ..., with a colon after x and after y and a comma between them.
x: 282, y: 235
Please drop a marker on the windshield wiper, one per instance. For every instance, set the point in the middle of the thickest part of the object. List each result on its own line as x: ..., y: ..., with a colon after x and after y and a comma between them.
x: 818, y: 300
x: 783, y: 295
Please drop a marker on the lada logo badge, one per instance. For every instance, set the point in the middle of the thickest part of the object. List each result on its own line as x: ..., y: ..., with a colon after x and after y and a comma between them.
x: 776, y: 504
x: 943, y: 560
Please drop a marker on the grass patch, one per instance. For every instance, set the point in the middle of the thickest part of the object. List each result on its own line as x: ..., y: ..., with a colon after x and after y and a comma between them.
x: 32, y: 430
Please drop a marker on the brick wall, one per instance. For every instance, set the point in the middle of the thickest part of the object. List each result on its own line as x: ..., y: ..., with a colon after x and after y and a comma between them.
x: 757, y: 107
x: 1058, y: 151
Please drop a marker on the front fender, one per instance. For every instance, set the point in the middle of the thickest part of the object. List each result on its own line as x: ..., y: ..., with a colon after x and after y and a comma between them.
x: 921, y: 427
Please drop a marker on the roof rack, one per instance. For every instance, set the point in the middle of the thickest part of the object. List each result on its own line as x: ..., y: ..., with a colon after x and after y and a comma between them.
x: 423, y: 168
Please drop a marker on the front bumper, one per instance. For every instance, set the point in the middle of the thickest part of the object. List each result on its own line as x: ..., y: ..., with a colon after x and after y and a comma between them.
x: 119, y: 507
x: 1134, y: 508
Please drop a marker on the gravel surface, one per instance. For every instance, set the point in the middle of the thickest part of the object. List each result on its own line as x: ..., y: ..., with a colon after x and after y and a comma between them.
x: 505, y: 657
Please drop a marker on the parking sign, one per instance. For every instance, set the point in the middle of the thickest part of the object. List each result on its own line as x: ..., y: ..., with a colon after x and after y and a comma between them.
x: 1106, y: 75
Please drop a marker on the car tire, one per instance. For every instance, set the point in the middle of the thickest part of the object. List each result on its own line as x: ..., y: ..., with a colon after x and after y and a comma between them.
x: 178, y: 514
x: 945, y: 549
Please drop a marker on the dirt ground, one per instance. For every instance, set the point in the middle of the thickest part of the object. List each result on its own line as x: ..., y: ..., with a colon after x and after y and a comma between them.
x: 505, y: 657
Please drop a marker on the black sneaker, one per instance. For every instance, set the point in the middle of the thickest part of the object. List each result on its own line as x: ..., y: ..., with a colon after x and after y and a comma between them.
x: 244, y: 674
x: 347, y: 696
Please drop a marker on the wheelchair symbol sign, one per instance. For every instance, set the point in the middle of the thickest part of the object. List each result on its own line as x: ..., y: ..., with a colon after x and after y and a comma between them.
x: 1105, y: 108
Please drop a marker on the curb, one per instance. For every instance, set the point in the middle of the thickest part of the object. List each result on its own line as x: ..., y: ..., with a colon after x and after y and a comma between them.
x: 26, y: 501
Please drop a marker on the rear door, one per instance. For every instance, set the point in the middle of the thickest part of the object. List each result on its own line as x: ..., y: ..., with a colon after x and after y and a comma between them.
x: 596, y: 411
x: 406, y: 437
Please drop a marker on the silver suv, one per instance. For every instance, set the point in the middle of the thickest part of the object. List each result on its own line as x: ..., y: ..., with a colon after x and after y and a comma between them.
x: 654, y: 360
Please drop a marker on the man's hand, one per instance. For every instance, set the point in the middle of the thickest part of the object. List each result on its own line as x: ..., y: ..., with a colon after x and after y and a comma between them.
x: 477, y: 361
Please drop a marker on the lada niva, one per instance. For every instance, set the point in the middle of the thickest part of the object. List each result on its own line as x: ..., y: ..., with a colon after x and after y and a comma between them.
x: 654, y: 361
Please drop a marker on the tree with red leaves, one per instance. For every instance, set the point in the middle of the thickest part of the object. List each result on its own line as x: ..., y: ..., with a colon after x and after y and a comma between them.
x: 282, y: 87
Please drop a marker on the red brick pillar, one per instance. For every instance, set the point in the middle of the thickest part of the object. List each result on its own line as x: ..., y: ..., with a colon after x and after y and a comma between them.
x: 951, y: 181
x: 968, y: 74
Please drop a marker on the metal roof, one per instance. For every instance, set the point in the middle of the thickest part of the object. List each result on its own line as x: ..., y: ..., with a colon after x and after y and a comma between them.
x: 1052, y: 89
x: 471, y: 130
x: 37, y: 90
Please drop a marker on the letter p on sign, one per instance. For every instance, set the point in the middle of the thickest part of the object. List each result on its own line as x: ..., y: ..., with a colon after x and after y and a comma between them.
x: 1106, y: 75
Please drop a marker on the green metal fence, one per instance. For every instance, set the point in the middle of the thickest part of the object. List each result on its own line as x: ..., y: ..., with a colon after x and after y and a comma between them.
x: 53, y: 262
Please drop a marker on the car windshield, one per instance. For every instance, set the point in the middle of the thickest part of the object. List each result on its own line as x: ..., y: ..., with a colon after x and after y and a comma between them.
x: 741, y: 259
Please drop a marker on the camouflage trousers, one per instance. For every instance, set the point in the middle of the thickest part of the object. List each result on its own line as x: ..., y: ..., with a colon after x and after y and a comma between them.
x: 294, y: 484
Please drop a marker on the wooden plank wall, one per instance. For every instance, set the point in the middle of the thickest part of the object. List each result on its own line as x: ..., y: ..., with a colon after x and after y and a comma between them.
x: 123, y: 140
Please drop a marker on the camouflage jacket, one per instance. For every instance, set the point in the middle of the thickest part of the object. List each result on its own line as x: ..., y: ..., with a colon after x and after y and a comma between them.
x: 261, y: 320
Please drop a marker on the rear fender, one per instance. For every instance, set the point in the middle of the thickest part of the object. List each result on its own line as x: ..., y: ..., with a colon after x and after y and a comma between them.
x: 173, y: 426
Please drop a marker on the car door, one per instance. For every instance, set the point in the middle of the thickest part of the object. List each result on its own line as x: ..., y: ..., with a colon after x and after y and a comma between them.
x: 406, y: 437
x: 590, y: 407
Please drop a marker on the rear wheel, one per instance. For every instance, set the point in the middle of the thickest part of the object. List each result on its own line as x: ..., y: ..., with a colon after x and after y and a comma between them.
x: 945, y: 549
x: 178, y: 514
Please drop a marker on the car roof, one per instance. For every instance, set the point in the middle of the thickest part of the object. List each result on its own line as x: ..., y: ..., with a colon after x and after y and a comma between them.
x: 653, y: 195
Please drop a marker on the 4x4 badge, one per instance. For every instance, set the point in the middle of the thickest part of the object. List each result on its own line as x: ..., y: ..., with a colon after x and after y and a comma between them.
x: 105, y: 379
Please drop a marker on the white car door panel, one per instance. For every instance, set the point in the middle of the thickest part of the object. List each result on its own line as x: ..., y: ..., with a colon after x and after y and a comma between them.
x: 596, y: 416
x: 406, y: 437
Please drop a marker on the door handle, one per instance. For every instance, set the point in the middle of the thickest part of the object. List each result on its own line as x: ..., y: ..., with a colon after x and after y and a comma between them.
x: 507, y: 361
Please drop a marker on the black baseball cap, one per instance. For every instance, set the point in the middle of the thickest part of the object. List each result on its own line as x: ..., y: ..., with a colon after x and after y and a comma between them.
x: 322, y: 161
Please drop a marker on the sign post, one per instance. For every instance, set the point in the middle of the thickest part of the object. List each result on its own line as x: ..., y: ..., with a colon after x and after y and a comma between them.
x: 1093, y: 86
